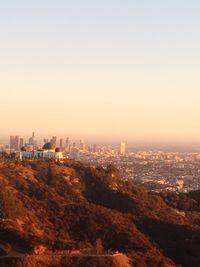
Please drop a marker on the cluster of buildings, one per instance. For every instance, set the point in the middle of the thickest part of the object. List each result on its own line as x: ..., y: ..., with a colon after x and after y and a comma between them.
x: 156, y: 170
x: 33, y: 150
x: 48, y: 151
x: 58, y: 149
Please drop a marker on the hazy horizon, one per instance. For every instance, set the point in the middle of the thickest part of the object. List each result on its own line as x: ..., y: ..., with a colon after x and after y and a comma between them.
x: 130, y: 144
x: 109, y: 70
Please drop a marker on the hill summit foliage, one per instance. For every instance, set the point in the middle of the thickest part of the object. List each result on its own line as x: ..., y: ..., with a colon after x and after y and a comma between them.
x: 74, y: 207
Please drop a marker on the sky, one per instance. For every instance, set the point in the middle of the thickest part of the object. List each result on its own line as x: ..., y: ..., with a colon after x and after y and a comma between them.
x: 106, y: 70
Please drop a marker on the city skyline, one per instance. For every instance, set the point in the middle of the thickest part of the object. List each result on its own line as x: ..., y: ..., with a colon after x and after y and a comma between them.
x: 110, y: 71
x: 36, y: 140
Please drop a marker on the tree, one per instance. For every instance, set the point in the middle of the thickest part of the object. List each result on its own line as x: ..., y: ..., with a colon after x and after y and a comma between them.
x: 10, y: 205
x: 121, y: 261
x: 7, y: 248
x: 99, y: 246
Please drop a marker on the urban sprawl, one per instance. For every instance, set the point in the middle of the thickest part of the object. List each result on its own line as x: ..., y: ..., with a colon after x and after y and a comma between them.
x: 156, y: 170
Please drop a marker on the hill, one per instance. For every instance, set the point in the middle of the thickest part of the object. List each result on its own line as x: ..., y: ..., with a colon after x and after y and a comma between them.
x: 66, y: 211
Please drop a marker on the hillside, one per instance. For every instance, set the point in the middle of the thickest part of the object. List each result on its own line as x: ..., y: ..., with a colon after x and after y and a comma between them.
x: 72, y: 207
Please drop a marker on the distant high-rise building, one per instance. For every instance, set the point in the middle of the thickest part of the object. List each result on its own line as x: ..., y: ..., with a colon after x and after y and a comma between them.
x: 82, y: 145
x: 35, y: 144
x: 31, y: 139
x: 67, y: 143
x: 54, y: 140
x: 14, y: 142
x: 61, y: 143
x: 32, y: 142
x: 46, y: 140
x: 123, y: 148
x: 21, y: 142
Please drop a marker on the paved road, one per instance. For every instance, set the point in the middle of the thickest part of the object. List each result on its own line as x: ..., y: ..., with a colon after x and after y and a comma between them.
x: 15, y: 254
x: 19, y: 255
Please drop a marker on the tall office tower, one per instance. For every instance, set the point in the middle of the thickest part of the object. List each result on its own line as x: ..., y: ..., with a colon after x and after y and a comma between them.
x: 14, y: 142
x: 74, y: 146
x: 31, y: 139
x: 61, y: 143
x: 123, y: 148
x: 21, y: 142
x: 67, y: 143
x: 54, y: 140
x: 82, y: 145
x: 35, y: 144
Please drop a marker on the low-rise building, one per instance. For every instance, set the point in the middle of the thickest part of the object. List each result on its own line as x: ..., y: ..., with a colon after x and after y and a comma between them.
x: 49, y: 151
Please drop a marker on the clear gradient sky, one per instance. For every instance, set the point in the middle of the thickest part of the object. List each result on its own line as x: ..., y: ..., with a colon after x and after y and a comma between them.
x: 109, y: 69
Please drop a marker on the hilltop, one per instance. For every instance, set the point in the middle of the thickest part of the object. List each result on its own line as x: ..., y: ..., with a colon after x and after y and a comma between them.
x: 71, y: 208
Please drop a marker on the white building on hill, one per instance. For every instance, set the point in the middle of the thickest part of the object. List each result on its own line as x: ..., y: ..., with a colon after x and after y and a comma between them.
x: 49, y: 151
